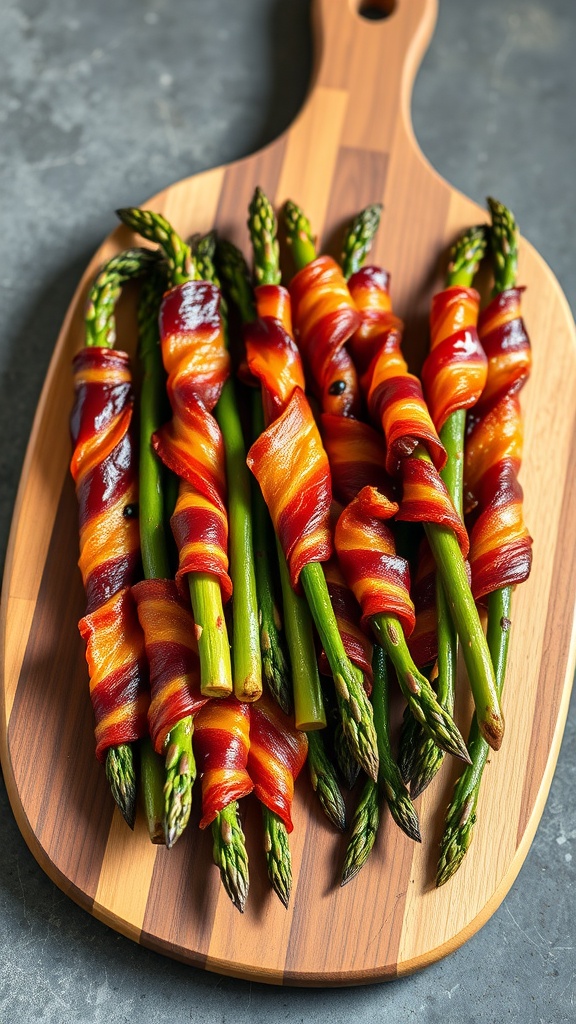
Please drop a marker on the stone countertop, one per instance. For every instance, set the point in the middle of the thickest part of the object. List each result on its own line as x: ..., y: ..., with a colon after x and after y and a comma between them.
x: 103, y: 105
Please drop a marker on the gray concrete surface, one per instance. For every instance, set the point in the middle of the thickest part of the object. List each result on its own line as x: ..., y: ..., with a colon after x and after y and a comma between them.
x: 103, y: 104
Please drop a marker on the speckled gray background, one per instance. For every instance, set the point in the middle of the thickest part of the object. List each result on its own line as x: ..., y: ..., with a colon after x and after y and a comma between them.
x: 102, y: 105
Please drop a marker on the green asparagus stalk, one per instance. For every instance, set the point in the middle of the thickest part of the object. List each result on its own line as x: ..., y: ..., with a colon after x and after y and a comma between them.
x: 205, y: 593
x: 324, y: 782
x: 358, y: 239
x: 152, y: 784
x: 389, y: 786
x: 234, y: 271
x: 278, y: 859
x: 247, y: 663
x: 101, y: 333
x: 229, y: 851
x: 180, y: 766
x: 461, y: 814
x: 464, y: 260
x: 415, y: 687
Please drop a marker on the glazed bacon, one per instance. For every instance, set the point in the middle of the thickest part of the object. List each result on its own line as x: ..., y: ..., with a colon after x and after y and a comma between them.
x: 454, y: 372
x: 394, y: 396
x: 395, y: 401
x: 325, y: 317
x: 104, y: 470
x: 500, y: 545
x: 291, y: 466
x: 356, y: 456
x: 172, y: 652
x: 378, y: 577
x: 288, y: 458
x: 103, y: 467
x: 118, y: 671
x: 191, y: 444
x: 277, y: 753
x: 221, y: 743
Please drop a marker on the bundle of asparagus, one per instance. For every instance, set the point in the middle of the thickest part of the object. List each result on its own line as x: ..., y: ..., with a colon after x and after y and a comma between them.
x: 331, y: 496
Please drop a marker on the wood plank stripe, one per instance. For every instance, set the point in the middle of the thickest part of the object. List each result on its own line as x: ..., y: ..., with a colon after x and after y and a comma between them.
x: 305, y: 177
x: 60, y: 782
x: 359, y: 179
x: 238, y: 186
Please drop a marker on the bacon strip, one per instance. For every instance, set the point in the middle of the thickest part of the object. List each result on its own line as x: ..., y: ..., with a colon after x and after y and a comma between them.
x: 103, y: 466
x: 378, y: 577
x: 394, y: 396
x: 277, y: 753
x: 500, y: 545
x: 291, y: 466
x: 356, y: 456
x: 104, y: 470
x: 172, y: 652
x: 454, y: 372
x: 118, y: 671
x: 221, y: 743
x: 191, y: 444
x: 325, y: 317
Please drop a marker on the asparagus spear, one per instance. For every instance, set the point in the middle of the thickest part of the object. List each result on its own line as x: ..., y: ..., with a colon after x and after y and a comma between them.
x: 358, y: 239
x: 229, y: 852
x: 101, y: 333
x: 180, y: 767
x: 324, y: 782
x: 427, y: 759
x: 234, y: 270
x: 205, y: 593
x: 278, y: 859
x: 389, y: 785
x: 461, y: 814
x: 415, y: 687
x: 247, y: 664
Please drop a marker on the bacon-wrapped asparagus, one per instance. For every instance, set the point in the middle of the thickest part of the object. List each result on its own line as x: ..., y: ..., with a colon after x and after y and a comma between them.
x: 292, y: 469
x: 454, y: 375
x: 382, y: 590
x: 415, y: 452
x: 191, y: 444
x: 500, y: 546
x: 104, y: 470
x: 222, y: 743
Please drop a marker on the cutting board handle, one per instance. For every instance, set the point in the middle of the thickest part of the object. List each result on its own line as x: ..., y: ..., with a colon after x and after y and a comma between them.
x: 374, y: 61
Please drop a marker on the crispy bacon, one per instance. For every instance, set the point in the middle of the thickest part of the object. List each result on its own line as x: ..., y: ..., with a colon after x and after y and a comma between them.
x: 378, y: 577
x: 394, y: 396
x: 191, y: 444
x: 454, y: 372
x: 277, y: 753
x: 221, y: 743
x: 291, y: 466
x: 118, y: 671
x: 356, y: 455
x: 104, y: 470
x: 172, y: 652
x: 500, y: 545
x: 325, y: 317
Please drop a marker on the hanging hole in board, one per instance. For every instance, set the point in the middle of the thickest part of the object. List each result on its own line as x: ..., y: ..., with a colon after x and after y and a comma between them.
x: 376, y: 10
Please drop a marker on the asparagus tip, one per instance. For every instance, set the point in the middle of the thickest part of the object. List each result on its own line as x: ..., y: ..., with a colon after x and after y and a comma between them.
x: 122, y: 780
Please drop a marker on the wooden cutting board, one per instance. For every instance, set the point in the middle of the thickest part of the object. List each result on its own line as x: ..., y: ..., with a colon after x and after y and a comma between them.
x: 352, y: 144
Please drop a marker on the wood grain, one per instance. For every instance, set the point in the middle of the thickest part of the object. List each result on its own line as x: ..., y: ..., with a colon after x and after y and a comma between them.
x: 352, y: 143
